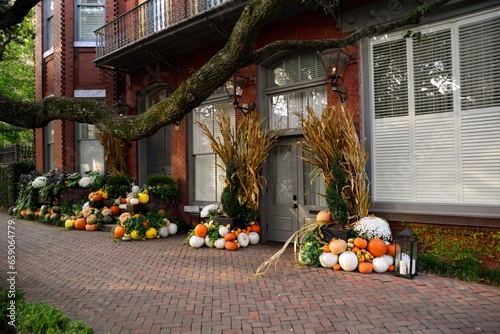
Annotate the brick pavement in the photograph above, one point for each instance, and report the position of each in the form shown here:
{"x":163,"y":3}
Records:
{"x":163,"y":286}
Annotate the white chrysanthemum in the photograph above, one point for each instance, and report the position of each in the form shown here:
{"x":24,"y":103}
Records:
{"x":205,"y":212}
{"x":86,"y":182}
{"x":373,"y":227}
{"x":39,"y":182}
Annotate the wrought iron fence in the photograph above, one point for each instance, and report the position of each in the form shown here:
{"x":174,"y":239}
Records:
{"x":17,"y":153}
{"x":146,"y":20}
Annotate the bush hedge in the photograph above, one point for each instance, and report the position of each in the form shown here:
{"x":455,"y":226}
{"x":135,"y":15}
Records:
{"x":9,"y":179}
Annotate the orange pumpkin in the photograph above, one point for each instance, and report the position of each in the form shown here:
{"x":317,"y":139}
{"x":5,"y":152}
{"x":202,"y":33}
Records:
{"x":115,"y":210}
{"x":119,"y":231}
{"x":201,"y":230}
{"x":391,"y":268}
{"x":231,"y":245}
{"x":96,"y":197}
{"x":326,"y":248}
{"x":337,"y":267}
{"x":230,"y":236}
{"x":365,"y":267}
{"x":80,"y":224}
{"x":377,"y":247}
{"x":391,"y":249}
{"x":123,"y":200}
{"x":360,"y":243}
{"x":255,"y":228}
{"x":91,"y":227}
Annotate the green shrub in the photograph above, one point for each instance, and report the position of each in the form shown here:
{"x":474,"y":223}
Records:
{"x":9,"y":179}
{"x":118,"y":185}
{"x":164,"y":187}
{"x":38,"y":318}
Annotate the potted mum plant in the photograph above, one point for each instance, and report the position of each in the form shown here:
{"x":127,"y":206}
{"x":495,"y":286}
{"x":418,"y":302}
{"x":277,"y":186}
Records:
{"x":242,"y":153}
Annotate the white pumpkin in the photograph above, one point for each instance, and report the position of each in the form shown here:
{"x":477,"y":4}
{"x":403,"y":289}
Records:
{"x":220,"y":243}
{"x":208,"y":242}
{"x":163,"y":232}
{"x":135,"y":189}
{"x":223,"y":230}
{"x":196,"y":242}
{"x":243,"y":240}
{"x":348,"y":261}
{"x":380,"y":265}
{"x":172,"y":228}
{"x":134,"y":201}
{"x":389,"y":259}
{"x":328,"y":260}
{"x":254,"y":238}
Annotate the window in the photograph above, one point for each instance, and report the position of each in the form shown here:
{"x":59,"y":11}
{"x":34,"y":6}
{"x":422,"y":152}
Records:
{"x":292,"y":84}
{"x":49,"y":146}
{"x":89,"y":152}
{"x":209,"y":178}
{"x":436,"y":115}
{"x":90,"y":15}
{"x":48,"y":17}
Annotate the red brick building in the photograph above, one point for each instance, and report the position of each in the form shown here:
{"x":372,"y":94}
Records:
{"x":430,"y":111}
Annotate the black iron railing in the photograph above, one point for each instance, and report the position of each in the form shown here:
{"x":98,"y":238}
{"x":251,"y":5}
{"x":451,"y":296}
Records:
{"x":146,"y":20}
{"x":17,"y":153}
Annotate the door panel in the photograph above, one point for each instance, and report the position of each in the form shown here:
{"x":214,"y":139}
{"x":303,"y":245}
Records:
{"x":282,"y":216}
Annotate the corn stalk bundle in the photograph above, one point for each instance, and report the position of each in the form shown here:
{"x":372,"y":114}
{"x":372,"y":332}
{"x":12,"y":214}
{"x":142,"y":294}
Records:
{"x":248,"y":147}
{"x":331,"y":133}
{"x":114,"y":153}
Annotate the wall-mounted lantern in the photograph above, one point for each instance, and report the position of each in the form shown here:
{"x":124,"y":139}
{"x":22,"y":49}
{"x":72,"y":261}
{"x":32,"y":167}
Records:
{"x":335,"y":62}
{"x":121,"y":107}
{"x":234,"y":88}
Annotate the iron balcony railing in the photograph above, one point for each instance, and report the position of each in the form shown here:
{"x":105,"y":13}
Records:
{"x":146,"y":20}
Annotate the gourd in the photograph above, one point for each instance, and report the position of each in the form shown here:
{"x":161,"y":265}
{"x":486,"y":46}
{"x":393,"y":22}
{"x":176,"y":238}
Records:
{"x":220,"y":243}
{"x":377,"y":247}
{"x":254,"y":238}
{"x":69,"y":223}
{"x":143,"y":198}
{"x":91,"y":227}
{"x":365,"y":267}
{"x":134,"y":235}
{"x":119,"y":231}
{"x":389,"y":259}
{"x":91,"y":219}
{"x":80,"y":224}
{"x":163,"y":232}
{"x":360,"y":243}
{"x":243,"y":240}
{"x":196,"y":242}
{"x":123,"y":217}
{"x":348,"y":261}
{"x":328,"y":260}
{"x":172,"y":228}
{"x":136,"y":189}
{"x":223,"y":231}
{"x":106,"y":212}
{"x":201,"y":230}
{"x":231,"y":245}
{"x":151,"y":233}
{"x":380,"y":265}
{"x":324,"y":216}
{"x":134,"y":201}
{"x":209,"y":243}
{"x":338,"y":246}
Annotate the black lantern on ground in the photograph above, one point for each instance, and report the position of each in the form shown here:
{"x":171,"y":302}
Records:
{"x":335,"y":62}
{"x":234,"y":88}
{"x":405,"y":258}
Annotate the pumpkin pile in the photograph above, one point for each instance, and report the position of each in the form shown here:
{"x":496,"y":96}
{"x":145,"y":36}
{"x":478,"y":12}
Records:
{"x":222,"y":236}
{"x":90,"y":219}
{"x":358,"y":253}
{"x":143,"y":227}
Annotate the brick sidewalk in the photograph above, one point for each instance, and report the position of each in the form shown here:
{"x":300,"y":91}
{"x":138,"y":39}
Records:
{"x":163,"y":286}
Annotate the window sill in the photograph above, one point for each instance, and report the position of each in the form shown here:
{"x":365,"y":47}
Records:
{"x":82,"y":44}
